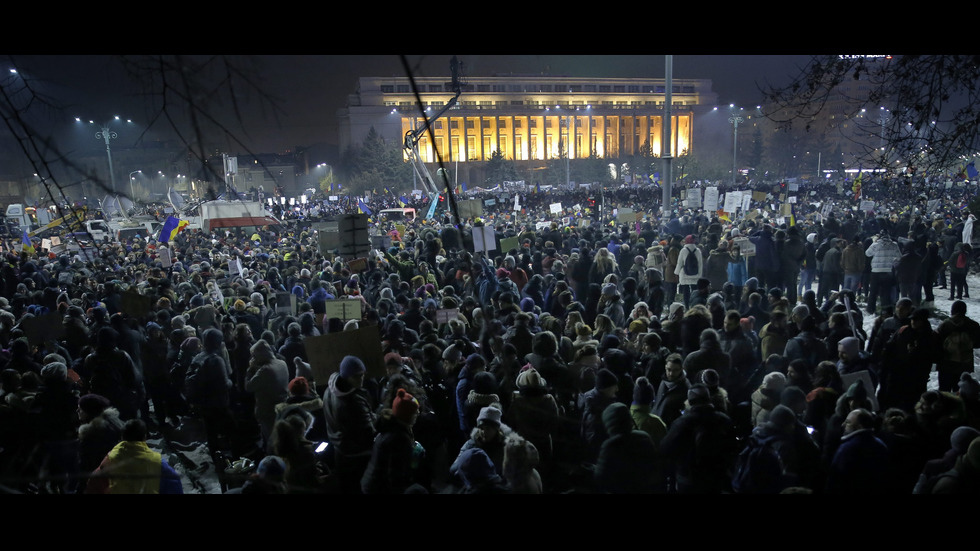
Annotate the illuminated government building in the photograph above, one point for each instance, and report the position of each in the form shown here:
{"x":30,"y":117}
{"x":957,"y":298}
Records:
{"x":528,"y":118}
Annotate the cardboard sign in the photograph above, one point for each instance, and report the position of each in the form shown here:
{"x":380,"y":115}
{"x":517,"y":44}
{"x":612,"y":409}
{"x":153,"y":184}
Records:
{"x":285,"y":303}
{"x":135,"y":305}
{"x":358,"y":265}
{"x":508,"y":243}
{"x":747,"y":247}
{"x":759,"y":196}
{"x":343,"y":308}
{"x":625,"y":216}
{"x":326,"y":351}
{"x":555,"y":208}
{"x":38,"y":329}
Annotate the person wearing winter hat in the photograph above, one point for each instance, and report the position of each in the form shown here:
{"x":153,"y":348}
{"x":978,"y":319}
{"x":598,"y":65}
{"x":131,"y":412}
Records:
{"x":628,"y":462}
{"x":641,"y":410}
{"x":100,"y":430}
{"x":595,"y":401}
{"x":350,"y":421}
{"x":479,"y":474}
{"x":389,"y":470}
{"x":267,"y":379}
{"x":959,"y":441}
{"x":269,"y":478}
{"x":700,"y":469}
{"x":483,"y":393}
{"x":475,"y":363}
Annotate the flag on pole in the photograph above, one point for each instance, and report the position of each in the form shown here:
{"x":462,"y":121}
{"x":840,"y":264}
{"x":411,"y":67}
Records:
{"x":792,"y":214}
{"x":971,"y":170}
{"x":171,"y":227}
{"x":361,"y":206}
{"x":857,"y":187}
{"x":27,"y":246}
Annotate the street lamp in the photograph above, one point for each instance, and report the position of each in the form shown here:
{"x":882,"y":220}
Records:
{"x":108,"y":134}
{"x":132,"y":190}
{"x":735,"y":119}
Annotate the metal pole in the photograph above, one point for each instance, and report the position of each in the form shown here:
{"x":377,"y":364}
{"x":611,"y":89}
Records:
{"x":668,"y":177}
{"x":106,"y":135}
{"x":735,"y":119}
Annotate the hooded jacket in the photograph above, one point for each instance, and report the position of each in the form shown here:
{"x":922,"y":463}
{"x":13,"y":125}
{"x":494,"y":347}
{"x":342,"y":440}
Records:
{"x":349,"y":416}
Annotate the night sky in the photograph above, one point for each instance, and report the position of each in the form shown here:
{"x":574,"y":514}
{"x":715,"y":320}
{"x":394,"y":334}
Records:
{"x":308,"y":90}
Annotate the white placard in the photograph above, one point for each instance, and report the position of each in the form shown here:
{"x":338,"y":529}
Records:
{"x":733,"y":199}
{"x":555,"y":208}
{"x":711,"y":199}
{"x":694,"y":198}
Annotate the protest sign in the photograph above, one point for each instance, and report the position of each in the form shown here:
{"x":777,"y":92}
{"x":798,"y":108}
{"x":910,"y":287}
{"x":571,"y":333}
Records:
{"x":711,"y":199}
{"x":134,"y":304}
{"x":343,"y":309}
{"x":747,"y":247}
{"x":484,"y":239}
{"x":326,"y":351}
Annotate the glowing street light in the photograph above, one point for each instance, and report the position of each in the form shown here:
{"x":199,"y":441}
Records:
{"x":735,"y":119}
{"x":108,"y":134}
{"x":132,"y":190}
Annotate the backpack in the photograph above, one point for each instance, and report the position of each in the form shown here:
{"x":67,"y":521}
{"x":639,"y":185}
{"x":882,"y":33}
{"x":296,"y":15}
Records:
{"x":691,"y":264}
{"x":958,"y":347}
{"x":758,"y":468}
{"x":962,"y":260}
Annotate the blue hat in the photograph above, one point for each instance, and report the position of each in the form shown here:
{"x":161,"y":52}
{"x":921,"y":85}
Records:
{"x":351,"y":366}
{"x":475,"y":466}
{"x":272,"y":467}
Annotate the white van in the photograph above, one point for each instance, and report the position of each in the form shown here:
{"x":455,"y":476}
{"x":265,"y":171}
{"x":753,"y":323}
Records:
{"x":400,"y":214}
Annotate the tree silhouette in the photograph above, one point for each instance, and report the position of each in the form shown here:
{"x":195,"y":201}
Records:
{"x":932,"y":103}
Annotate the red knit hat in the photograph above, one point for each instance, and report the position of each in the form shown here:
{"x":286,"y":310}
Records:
{"x":404,"y":406}
{"x":299,"y":386}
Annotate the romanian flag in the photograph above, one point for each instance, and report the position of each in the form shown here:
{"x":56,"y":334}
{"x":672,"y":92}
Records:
{"x":723,"y":216}
{"x":171,"y":228}
{"x":857,"y":187}
{"x":971,"y":171}
{"x":792,"y":214}
{"x":27,"y":246}
{"x":361,"y":206}
{"x":402,"y":201}
{"x":463,"y":185}
{"x":537,"y":188}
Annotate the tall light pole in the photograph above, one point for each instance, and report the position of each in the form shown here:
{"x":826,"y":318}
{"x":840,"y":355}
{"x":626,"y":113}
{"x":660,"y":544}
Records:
{"x":106,"y":134}
{"x":666,"y":151}
{"x":735,"y":119}
{"x":132,"y":190}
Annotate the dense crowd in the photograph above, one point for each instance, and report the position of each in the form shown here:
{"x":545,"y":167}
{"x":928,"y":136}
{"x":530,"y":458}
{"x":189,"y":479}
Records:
{"x":698,"y":352}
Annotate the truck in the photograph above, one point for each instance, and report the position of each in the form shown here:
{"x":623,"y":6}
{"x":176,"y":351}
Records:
{"x":70,"y":222}
{"x":214,"y":215}
{"x":20,"y":217}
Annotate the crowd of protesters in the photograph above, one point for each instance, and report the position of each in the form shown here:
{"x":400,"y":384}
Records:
{"x":594,"y":356}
